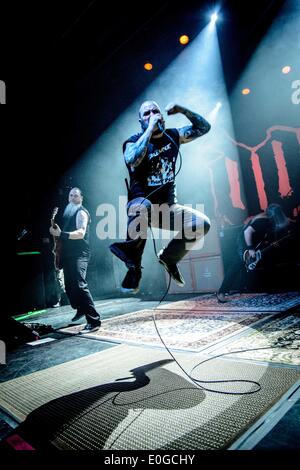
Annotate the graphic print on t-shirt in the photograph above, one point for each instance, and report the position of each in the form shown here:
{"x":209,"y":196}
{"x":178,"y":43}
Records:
{"x":162,"y":169}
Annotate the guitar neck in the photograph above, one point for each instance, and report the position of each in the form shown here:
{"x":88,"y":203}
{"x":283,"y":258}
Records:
{"x":267,"y":248}
{"x":52,"y":220}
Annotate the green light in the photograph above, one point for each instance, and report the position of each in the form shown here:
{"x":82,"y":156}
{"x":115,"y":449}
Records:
{"x":23,"y":253}
{"x":29,"y":314}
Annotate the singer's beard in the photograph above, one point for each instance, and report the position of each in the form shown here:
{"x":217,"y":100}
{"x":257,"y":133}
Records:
{"x":71,"y":209}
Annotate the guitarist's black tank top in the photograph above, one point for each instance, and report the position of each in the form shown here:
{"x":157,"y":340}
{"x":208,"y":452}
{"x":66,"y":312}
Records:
{"x":74,"y":248}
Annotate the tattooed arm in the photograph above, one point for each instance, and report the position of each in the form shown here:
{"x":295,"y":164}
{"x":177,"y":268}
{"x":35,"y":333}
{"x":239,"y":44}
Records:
{"x":78,"y":234}
{"x":188,"y":133}
{"x":135,"y":152}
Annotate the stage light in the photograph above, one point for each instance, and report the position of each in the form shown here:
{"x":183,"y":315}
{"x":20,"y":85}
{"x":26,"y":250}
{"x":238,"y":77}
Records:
{"x":286,"y":69}
{"x":184,"y":39}
{"x":148,"y":66}
{"x":245,"y":91}
{"x":213,"y":115}
{"x":213,"y":18}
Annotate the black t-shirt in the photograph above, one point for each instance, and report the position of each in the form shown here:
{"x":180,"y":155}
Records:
{"x":263,"y":232}
{"x":156,"y":172}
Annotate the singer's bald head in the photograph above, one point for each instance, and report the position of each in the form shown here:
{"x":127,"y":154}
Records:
{"x":147,"y":110}
{"x":148,"y":105}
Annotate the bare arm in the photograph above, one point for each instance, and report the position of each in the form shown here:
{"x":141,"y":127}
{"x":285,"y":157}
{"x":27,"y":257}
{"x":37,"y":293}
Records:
{"x":188,"y":133}
{"x":79,"y":233}
{"x":136,"y":151}
{"x":248,"y":235}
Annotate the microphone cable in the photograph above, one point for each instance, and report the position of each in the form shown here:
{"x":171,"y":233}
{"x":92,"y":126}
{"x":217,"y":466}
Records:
{"x":197,"y":382}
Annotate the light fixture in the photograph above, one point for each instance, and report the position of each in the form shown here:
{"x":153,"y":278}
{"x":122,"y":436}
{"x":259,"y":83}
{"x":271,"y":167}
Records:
{"x":286,"y":69}
{"x":246,"y":91}
{"x":184,"y":39}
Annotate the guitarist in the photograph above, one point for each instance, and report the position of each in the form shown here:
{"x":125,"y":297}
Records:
{"x":75,"y":256}
{"x":258,"y":233}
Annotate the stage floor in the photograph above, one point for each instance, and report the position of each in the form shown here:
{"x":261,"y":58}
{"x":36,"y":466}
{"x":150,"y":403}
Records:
{"x":275,"y":328}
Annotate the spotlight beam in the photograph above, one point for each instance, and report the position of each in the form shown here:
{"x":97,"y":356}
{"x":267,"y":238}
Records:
{"x":214,"y":18}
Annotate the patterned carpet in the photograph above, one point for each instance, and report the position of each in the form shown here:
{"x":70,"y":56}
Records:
{"x":281,"y":335}
{"x":192,"y":324}
{"x":279,"y":302}
{"x":178,"y":329}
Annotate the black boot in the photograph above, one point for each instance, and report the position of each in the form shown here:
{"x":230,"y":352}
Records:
{"x":171,"y":268}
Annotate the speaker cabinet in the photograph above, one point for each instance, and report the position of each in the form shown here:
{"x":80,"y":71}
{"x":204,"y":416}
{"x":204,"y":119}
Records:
{"x":29,"y":279}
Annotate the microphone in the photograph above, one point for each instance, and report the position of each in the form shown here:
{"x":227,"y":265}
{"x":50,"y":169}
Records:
{"x":160,"y":126}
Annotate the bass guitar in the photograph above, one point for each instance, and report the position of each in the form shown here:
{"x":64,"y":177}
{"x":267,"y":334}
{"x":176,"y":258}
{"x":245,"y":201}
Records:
{"x":252,"y":261}
{"x":57,"y":245}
